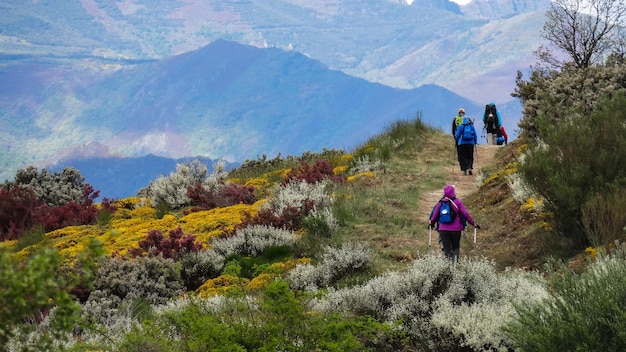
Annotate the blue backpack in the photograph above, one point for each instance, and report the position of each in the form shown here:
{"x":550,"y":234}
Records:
{"x":468,"y":133}
{"x":447,"y":212}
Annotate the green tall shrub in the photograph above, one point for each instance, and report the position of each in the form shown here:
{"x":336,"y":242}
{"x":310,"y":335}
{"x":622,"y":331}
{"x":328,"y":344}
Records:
{"x":577,"y":158}
{"x":586,"y":312}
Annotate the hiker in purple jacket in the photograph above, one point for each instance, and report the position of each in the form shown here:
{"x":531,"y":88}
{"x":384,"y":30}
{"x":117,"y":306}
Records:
{"x":450,"y":234}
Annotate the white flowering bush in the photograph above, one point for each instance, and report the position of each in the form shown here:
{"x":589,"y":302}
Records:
{"x":252,"y":240}
{"x":296,"y":193}
{"x":364,"y":163}
{"x":334,"y":264}
{"x":442,"y":305}
{"x":119,"y":281}
{"x":172,"y":190}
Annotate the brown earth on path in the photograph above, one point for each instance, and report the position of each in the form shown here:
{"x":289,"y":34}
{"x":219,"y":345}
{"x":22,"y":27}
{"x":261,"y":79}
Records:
{"x":464,"y":184}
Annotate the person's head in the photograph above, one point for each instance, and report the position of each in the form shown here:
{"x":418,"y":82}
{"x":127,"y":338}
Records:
{"x":449,"y":192}
{"x":461,"y":111}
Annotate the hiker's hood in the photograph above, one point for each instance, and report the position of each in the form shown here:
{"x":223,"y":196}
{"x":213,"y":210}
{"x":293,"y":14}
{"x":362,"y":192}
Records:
{"x":467,"y":121}
{"x":448,"y":191}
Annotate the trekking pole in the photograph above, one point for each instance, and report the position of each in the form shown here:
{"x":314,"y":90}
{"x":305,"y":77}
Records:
{"x":430,"y":236}
{"x":474,"y":237}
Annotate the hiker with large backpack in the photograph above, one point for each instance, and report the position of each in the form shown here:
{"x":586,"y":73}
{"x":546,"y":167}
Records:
{"x":492,"y":122}
{"x":456,"y":122}
{"x":466,"y":140}
{"x":450,"y":216}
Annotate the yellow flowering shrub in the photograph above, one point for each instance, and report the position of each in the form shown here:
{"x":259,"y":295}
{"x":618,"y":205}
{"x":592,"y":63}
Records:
{"x":502,"y":174}
{"x":591,"y":252}
{"x":532,"y":205}
{"x":208,"y":223}
{"x":219,"y":285}
{"x":340,"y":170}
{"x":360,"y":176}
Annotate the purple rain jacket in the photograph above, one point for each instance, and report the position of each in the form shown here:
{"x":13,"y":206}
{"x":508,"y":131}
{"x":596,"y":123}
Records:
{"x":448,"y":191}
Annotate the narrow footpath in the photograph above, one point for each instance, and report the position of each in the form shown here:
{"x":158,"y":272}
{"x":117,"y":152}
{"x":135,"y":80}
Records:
{"x":464,"y":184}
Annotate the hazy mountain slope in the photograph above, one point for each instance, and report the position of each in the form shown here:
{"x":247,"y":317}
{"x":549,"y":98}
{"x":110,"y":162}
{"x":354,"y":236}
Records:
{"x":224,"y":101}
{"x":391,"y":42}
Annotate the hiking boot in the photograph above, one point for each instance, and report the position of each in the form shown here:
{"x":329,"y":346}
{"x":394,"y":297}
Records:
{"x":470,"y":172}
{"x":465,"y":172}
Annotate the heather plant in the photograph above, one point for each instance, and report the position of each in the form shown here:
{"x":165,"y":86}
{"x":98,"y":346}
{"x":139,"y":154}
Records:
{"x":18,"y":207}
{"x":333,"y":265}
{"x":584,"y":312}
{"x":442,"y":306}
{"x":170,"y":248}
{"x":219,"y":195}
{"x":567,"y":174}
{"x":320,"y":170}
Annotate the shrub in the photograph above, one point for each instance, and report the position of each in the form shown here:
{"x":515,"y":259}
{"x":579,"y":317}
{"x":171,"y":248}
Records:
{"x":120,"y":282}
{"x":199,"y":266}
{"x":18,"y":207}
{"x":220,"y":195}
{"x":170,"y":248}
{"x":56,"y":188}
{"x":568,"y":174}
{"x":274,"y":321}
{"x":442,"y":306}
{"x":252,"y":240}
{"x":334,"y":264}
{"x":585,"y":312}
{"x":172,"y":190}
{"x":320,"y":170}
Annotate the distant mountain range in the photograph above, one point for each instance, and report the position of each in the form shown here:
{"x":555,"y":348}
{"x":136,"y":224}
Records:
{"x":233,"y":80}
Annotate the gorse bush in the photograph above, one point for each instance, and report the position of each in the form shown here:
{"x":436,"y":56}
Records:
{"x":584,"y":312}
{"x":583,"y":157}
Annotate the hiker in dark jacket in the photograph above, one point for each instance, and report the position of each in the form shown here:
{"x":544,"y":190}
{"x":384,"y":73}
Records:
{"x":466,"y":139}
{"x":492,"y":121}
{"x":450,"y":234}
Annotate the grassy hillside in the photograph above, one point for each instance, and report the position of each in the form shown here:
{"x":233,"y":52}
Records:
{"x":361,"y":258}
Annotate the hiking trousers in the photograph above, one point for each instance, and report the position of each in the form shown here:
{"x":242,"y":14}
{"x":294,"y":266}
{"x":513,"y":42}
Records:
{"x":466,"y":156}
{"x":451,"y":241}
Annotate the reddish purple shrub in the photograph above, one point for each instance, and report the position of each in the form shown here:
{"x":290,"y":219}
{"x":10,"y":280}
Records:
{"x":18,"y":207}
{"x":289,"y":219}
{"x":320,"y":170}
{"x":168,"y":247}
{"x":230,"y":194}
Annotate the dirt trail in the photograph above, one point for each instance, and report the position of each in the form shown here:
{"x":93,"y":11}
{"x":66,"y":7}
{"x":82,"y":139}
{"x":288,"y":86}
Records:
{"x":464,"y":184}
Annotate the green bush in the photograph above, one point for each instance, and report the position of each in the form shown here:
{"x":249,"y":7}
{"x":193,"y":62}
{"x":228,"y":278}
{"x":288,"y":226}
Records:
{"x":275,"y":321}
{"x":587,"y":312}
{"x":579,"y":158}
